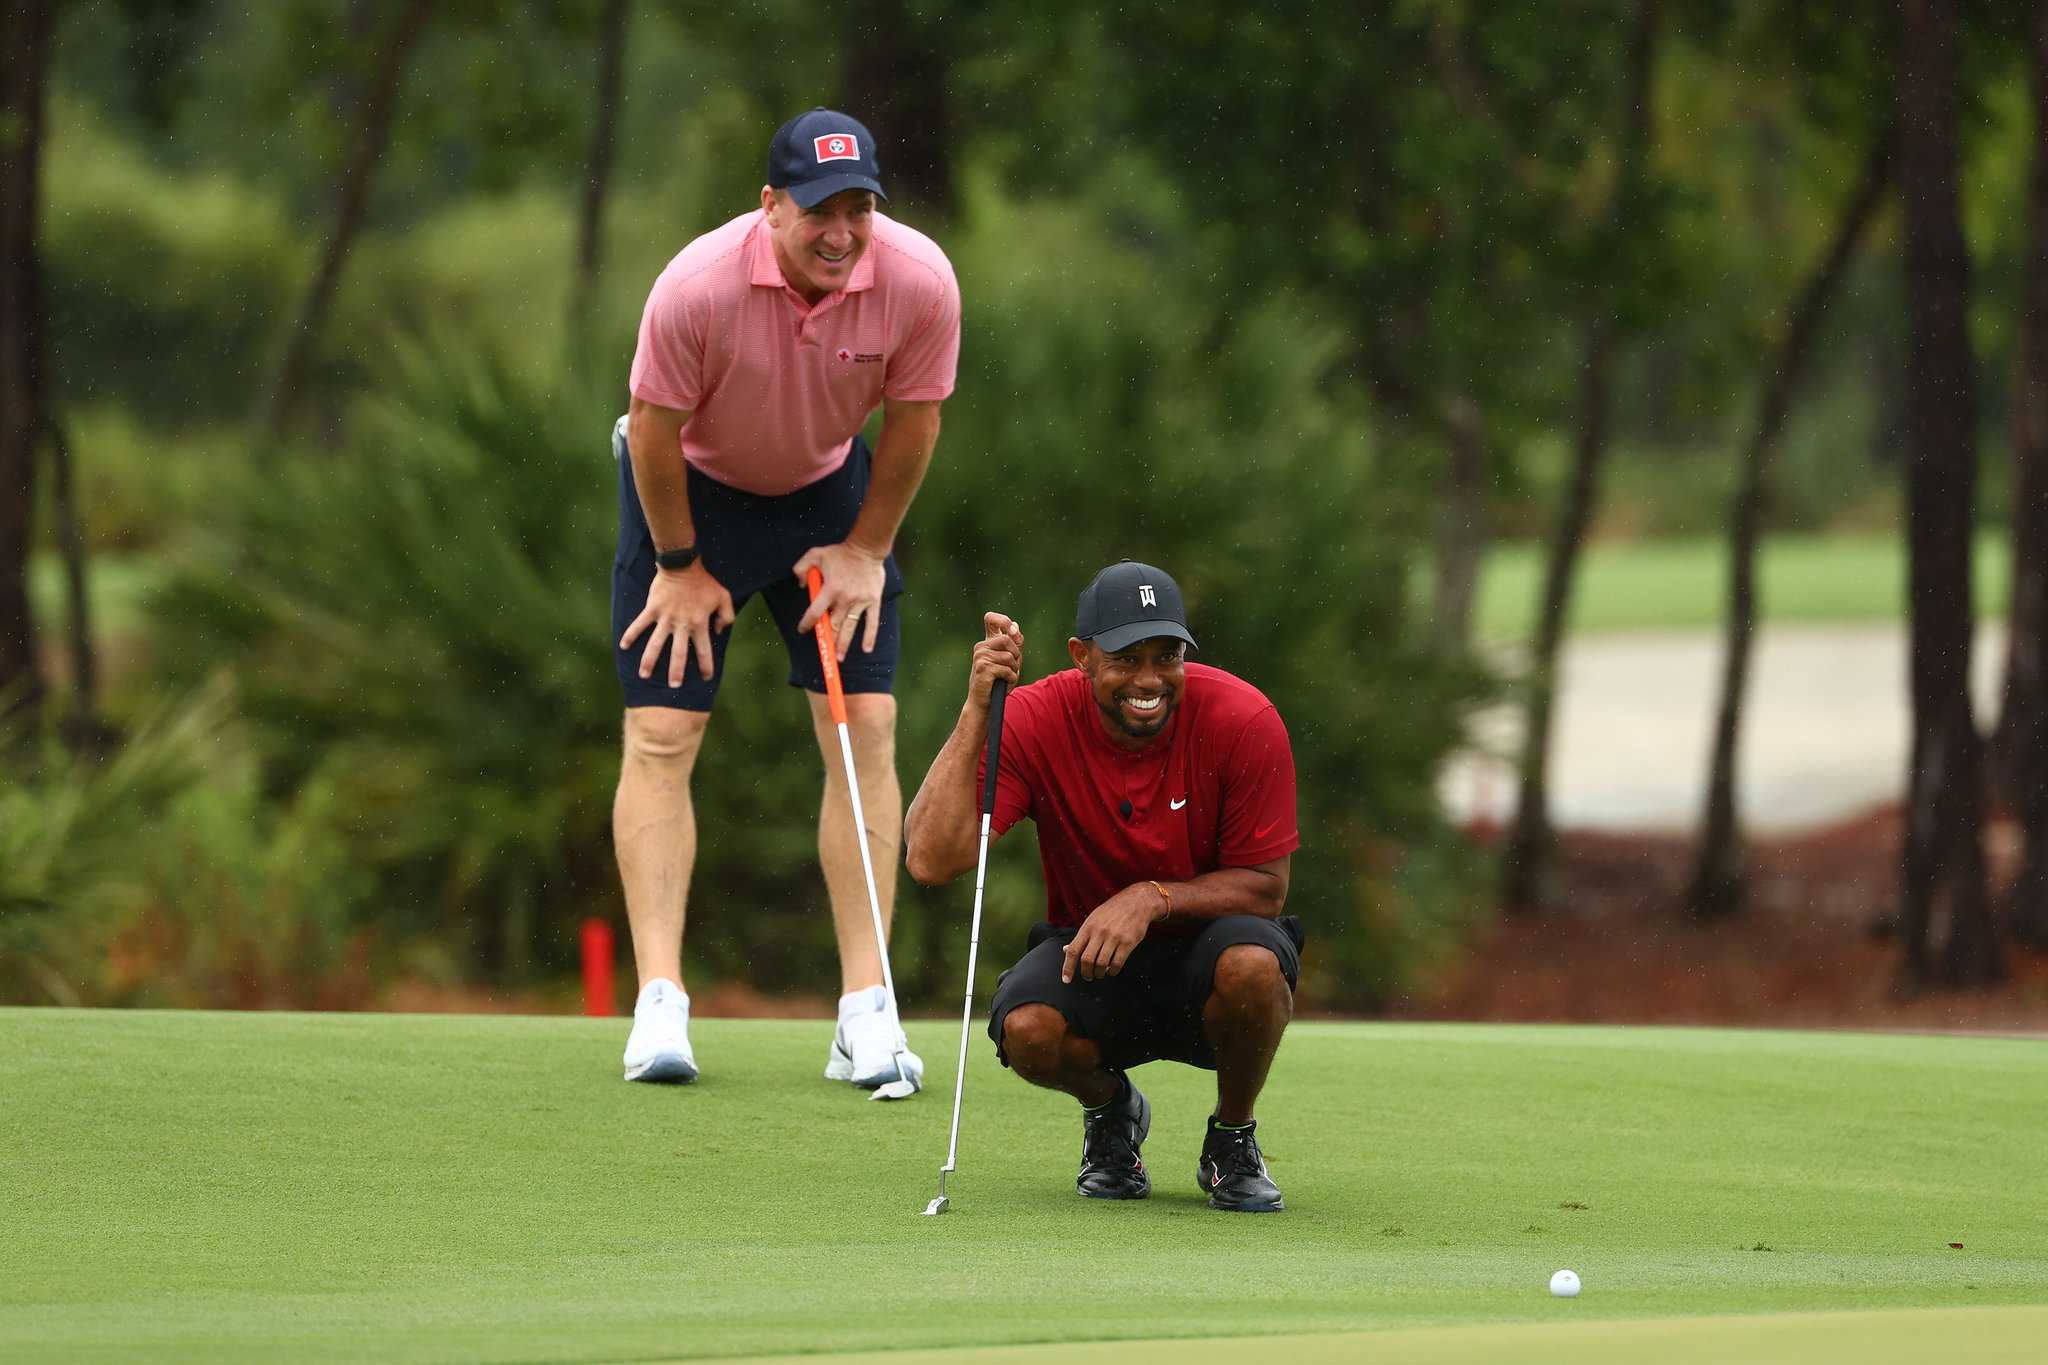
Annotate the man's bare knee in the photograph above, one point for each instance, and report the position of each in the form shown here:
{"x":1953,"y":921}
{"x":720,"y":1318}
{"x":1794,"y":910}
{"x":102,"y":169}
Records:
{"x":664,"y":737}
{"x":1034,"y":1039}
{"x":1249,"y":977}
{"x":871,"y":720}
{"x":871,"y":710}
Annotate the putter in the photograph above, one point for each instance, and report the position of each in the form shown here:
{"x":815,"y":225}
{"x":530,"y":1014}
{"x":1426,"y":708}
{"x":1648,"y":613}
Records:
{"x":996,"y":696}
{"x":903,"y":1087}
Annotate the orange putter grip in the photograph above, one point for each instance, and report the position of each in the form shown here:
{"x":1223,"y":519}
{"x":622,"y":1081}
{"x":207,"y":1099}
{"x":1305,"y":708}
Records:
{"x":828,"y":652}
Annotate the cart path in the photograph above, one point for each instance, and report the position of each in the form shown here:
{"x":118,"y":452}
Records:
{"x":1826,"y":734}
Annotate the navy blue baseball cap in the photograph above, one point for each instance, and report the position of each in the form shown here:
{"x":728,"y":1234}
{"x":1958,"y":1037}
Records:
{"x":816,"y":155}
{"x":1128,"y":602}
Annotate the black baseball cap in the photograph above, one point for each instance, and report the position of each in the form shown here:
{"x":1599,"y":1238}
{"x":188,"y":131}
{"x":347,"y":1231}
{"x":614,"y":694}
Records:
{"x":816,"y":155}
{"x":1128,"y":602}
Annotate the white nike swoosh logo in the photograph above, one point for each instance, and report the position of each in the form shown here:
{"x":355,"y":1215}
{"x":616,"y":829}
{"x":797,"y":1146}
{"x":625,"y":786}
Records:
{"x":1176,"y":805}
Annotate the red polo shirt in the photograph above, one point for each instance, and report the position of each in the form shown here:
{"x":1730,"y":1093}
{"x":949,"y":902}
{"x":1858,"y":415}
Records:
{"x":1215,"y":789}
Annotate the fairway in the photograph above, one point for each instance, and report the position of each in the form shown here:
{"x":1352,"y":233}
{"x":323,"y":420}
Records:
{"x":179,"y":1186}
{"x":1675,"y":584}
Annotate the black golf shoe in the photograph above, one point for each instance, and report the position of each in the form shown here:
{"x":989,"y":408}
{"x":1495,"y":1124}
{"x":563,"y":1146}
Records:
{"x":1233,"y":1172}
{"x":1111,"y":1136}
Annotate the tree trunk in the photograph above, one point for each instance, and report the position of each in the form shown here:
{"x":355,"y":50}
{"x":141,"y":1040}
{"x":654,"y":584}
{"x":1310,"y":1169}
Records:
{"x":2023,"y":722}
{"x":82,"y":727}
{"x":1525,"y":858}
{"x":895,"y":83}
{"x":31,"y":32}
{"x":1461,"y":526}
{"x":1943,"y":866}
{"x":351,"y":202}
{"x":597,"y":165}
{"x":1717,"y":872}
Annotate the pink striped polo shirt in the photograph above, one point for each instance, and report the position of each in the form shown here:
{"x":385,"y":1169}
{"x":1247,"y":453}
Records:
{"x":777,"y":388}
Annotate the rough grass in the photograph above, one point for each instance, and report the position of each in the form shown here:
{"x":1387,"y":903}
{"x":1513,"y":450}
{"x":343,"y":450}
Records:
{"x":323,"y":1187}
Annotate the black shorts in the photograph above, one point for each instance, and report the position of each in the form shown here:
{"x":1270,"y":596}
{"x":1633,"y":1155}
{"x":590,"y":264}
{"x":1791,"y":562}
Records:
{"x":748,"y":543}
{"x":1150,"y":1011}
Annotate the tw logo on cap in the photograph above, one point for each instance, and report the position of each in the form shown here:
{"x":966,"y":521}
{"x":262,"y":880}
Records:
{"x":836,"y":147}
{"x":1146,"y":597}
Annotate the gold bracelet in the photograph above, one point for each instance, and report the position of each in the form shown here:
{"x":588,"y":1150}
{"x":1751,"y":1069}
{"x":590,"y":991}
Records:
{"x":1165,"y":895}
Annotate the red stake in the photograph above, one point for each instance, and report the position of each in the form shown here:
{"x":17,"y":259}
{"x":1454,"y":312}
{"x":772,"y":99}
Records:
{"x":597,"y":968}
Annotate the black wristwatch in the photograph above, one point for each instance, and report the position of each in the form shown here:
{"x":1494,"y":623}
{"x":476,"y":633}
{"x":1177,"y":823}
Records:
{"x":676,"y":559}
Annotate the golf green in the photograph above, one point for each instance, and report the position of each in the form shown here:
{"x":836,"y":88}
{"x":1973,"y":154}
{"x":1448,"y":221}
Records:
{"x":229,"y":1187}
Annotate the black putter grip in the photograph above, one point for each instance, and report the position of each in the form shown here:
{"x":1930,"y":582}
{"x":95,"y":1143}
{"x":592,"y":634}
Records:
{"x":996,"y":696}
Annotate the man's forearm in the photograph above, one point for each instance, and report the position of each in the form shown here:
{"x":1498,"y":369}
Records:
{"x":659,"y":474}
{"x":903,"y":452}
{"x":941,"y":830}
{"x":1260,"y":891}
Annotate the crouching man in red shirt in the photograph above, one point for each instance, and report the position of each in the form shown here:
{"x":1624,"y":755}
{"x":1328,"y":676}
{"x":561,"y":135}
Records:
{"x":1163,"y":792}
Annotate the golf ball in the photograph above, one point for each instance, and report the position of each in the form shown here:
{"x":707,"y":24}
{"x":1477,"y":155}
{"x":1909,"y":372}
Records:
{"x":1565,"y":1284}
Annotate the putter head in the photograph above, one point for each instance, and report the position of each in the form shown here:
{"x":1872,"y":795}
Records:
{"x":894,"y":1090}
{"x":936,"y":1206}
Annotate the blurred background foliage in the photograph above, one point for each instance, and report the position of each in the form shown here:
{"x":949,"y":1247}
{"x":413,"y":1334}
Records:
{"x":1224,"y":267}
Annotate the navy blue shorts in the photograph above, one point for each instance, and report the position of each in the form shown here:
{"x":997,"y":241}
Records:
{"x":748,"y":543}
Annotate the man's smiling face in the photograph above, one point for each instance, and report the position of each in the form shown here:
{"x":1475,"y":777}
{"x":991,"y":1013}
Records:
{"x":818,"y":247}
{"x":1137,"y":687}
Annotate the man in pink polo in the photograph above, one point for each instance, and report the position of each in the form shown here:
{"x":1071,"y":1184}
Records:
{"x":765,"y":346}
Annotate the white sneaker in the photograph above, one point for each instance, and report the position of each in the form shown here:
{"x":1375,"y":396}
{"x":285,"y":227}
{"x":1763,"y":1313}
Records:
{"x":865,"y":1044}
{"x":658,"y":1049}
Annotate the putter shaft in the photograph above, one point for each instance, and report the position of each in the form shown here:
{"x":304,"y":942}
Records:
{"x":997,"y":696}
{"x":835,"y":696}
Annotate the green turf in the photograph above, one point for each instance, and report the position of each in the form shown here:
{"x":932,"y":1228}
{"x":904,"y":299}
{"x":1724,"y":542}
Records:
{"x":304,"y":1187}
{"x":1634,"y":585}
{"x":1983,"y":1336}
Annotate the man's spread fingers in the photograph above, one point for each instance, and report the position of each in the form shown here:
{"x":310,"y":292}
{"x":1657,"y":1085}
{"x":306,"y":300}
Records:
{"x":633,"y":631}
{"x":649,"y":655}
{"x":820,"y":604}
{"x":706,"y":664}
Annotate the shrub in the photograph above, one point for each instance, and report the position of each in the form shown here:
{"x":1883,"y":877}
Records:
{"x":162,"y":875}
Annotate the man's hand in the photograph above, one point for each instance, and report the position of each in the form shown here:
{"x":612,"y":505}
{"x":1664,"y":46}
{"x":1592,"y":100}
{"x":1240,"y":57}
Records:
{"x":1001,"y":655}
{"x":852,"y":589}
{"x":1111,"y":931}
{"x":686,"y":606}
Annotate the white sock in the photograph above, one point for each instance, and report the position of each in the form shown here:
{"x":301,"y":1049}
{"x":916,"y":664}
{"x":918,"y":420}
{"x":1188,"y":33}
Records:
{"x":873,"y":1000}
{"x":654,"y":990}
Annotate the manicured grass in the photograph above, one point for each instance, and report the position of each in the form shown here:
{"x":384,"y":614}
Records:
{"x":1985,"y":1336}
{"x":327,"y":1187}
{"x":1634,"y":585}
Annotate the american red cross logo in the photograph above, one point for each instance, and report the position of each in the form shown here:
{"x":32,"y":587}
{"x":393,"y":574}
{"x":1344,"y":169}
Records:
{"x":837,"y":147}
{"x":845,"y":354}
